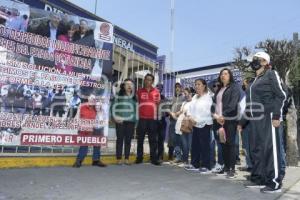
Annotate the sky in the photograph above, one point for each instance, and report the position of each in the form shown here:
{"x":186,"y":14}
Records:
{"x":206,"y":32}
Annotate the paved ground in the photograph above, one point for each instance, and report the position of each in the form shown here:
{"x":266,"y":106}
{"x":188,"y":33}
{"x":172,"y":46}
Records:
{"x":143,"y":181}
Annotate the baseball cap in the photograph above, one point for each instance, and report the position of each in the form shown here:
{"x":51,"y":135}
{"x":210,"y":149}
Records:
{"x":263,"y":55}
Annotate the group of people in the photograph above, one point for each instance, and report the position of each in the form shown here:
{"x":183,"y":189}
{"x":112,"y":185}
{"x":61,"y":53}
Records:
{"x":63,"y":29}
{"x":12,"y":19}
{"x":197,"y":116}
{"x":24,"y":99}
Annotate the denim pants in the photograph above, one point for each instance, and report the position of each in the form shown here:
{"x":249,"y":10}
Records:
{"x":186,"y":141}
{"x":281,"y":131}
{"x":178,"y":147}
{"x":83,"y":152}
{"x":246,"y":145}
{"x":96,"y":149}
{"x":214,"y":142}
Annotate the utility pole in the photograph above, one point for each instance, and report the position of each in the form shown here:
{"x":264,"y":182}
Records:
{"x":172,"y":44}
{"x":96,"y":3}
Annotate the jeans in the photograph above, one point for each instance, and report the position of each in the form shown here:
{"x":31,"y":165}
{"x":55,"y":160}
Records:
{"x":96,"y":149}
{"x":281,"y":131}
{"x":83,"y":152}
{"x":246,"y":145}
{"x":171,"y":137}
{"x":186,"y":141}
{"x":178,"y":147}
{"x":215,"y":142}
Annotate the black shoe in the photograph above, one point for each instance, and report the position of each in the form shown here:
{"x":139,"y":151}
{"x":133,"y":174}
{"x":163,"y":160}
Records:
{"x":231,"y":174}
{"x":269,"y":190}
{"x":248,"y":177}
{"x":223,"y":172}
{"x":254,"y":185}
{"x":157,"y":163}
{"x":98,"y":163}
{"x":138,"y":161}
{"x":77,"y":164}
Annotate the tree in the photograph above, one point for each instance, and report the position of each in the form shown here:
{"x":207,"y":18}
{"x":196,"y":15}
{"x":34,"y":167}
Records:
{"x":241,"y":63}
{"x":284,"y":59}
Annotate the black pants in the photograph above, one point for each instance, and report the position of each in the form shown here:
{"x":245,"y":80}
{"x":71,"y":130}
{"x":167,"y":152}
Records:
{"x":229,"y":148}
{"x":161,"y":138}
{"x":58,"y":110}
{"x":125,"y":133}
{"x":265,"y":153}
{"x":148,"y":126}
{"x":201,"y":147}
{"x":171,"y":141}
{"x":72,"y":112}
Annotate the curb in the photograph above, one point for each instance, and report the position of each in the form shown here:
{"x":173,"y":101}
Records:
{"x":51,"y":161}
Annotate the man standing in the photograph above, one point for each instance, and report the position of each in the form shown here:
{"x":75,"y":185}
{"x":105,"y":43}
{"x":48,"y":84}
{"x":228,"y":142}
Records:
{"x":90,"y":111}
{"x":148,"y":99}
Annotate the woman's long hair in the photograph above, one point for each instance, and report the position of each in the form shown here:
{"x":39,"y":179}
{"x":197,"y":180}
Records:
{"x":122,"y":91}
{"x":231,"y":79}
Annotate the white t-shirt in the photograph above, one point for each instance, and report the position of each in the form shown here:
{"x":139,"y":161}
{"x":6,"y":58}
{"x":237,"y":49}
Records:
{"x":37,"y":100}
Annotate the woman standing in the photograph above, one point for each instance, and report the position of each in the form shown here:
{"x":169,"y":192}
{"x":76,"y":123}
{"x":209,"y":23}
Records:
{"x":265,"y":101}
{"x":200,"y":115}
{"x":124,"y":114}
{"x":186,"y":138}
{"x":225,"y":113}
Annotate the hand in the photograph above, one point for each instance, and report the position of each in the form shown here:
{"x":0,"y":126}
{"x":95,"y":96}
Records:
{"x":276,"y":123}
{"x":192,"y":120}
{"x":173,"y":115}
{"x":221,"y":120}
{"x":239,"y":128}
{"x":118,"y":121}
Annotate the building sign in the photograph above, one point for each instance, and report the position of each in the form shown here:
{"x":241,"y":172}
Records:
{"x":123,"y":43}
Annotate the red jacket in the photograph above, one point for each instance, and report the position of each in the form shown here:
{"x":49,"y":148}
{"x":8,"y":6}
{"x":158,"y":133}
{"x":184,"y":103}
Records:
{"x":148,"y":103}
{"x":87,"y":112}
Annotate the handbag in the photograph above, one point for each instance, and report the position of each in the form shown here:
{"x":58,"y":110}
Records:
{"x":186,"y":125}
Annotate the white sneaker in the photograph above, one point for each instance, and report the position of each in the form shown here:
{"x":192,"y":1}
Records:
{"x":191,"y":168}
{"x":181,"y":165}
{"x":218,"y":168}
{"x":204,"y":170}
